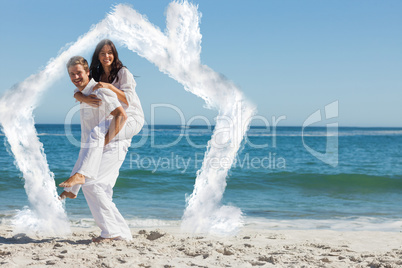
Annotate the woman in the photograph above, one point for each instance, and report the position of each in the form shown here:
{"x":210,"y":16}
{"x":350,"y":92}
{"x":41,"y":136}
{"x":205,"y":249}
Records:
{"x":107,"y":69}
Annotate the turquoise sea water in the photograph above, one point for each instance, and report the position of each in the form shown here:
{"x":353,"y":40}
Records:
{"x":276,"y":181}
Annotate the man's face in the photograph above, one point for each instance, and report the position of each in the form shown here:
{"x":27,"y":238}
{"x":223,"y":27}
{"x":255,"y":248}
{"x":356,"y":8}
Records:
{"x":78,"y":76}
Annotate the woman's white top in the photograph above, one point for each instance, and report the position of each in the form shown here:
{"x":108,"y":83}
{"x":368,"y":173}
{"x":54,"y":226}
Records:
{"x":127,"y":84}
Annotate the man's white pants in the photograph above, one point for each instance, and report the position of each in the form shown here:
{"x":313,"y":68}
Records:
{"x":90,"y":156}
{"x":98,"y":193}
{"x":100,"y":165}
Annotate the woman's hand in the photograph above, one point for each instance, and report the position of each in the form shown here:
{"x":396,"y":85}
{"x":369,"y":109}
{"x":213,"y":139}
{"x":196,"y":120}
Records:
{"x":101,"y":85}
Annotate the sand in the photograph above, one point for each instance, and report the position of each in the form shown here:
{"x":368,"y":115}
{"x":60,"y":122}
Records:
{"x":168,"y":247}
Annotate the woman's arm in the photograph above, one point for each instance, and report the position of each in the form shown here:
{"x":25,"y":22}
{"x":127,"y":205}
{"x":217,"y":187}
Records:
{"x":91,"y":100}
{"x":120,"y":94}
{"x":119,"y":118}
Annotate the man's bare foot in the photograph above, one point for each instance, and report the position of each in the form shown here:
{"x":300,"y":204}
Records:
{"x":65,"y":195}
{"x":100,"y":239}
{"x":77,"y":178}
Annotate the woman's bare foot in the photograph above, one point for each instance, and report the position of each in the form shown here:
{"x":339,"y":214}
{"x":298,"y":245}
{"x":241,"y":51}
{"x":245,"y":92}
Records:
{"x":65,"y":195}
{"x":77,"y":178}
{"x":100,"y":239}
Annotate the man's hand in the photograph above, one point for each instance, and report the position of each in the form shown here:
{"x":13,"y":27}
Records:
{"x":93,"y":101}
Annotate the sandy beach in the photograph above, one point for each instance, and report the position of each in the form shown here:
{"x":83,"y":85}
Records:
{"x":168,"y":247}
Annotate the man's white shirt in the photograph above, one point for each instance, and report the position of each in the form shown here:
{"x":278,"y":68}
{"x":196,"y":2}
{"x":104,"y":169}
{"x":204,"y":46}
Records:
{"x":91,"y":116}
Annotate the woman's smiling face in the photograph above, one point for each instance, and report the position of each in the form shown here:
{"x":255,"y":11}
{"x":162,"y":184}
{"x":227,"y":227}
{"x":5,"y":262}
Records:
{"x":106,"y":56}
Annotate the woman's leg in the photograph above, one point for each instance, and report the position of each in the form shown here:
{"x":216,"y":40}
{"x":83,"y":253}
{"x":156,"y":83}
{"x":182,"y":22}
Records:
{"x":131,"y":128}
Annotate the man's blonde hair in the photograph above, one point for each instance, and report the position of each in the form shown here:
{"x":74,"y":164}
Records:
{"x":78,"y":60}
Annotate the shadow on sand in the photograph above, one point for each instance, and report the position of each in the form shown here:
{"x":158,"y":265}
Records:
{"x":24,"y":239}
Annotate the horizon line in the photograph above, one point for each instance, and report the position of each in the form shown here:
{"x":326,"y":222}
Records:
{"x":343,"y":126}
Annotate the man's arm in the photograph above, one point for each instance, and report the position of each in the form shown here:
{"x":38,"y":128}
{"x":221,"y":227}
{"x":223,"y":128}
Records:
{"x":119,"y":118}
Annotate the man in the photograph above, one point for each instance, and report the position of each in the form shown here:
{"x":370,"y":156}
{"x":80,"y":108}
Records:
{"x":99,"y":161}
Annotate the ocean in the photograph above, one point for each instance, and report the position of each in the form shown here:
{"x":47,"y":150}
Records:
{"x":277,"y":181}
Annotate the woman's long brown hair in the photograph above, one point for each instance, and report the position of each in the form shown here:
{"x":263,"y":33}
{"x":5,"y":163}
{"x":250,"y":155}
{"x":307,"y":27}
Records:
{"x":96,"y":69}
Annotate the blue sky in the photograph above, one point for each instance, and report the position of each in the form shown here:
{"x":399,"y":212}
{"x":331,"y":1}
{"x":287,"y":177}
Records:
{"x":290,"y":58}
